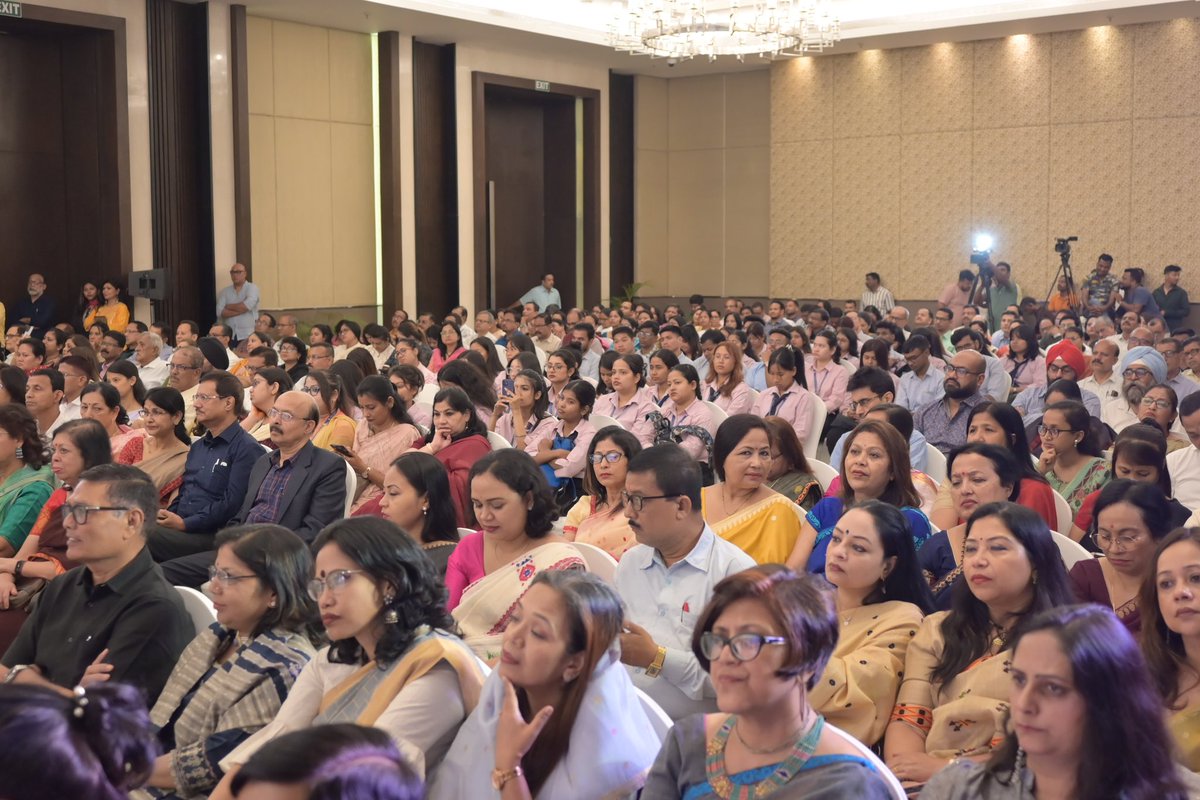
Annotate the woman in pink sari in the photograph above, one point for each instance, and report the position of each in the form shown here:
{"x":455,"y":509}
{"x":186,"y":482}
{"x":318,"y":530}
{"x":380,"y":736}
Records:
{"x":385,"y":432}
{"x":102,"y":402}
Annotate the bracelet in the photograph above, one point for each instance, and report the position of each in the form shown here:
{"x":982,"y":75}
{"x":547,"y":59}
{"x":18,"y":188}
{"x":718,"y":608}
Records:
{"x":20,"y":565}
{"x":14,"y":672}
{"x":500,"y":777}
{"x":656,"y":665}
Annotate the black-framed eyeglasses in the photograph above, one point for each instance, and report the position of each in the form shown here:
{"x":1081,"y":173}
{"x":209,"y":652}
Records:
{"x":1047,"y":432}
{"x":79,"y":512}
{"x":612,"y":458}
{"x":1135,"y":373}
{"x":334,"y":581}
{"x":638,"y":501}
{"x":744,"y":646}
{"x":225,"y":577}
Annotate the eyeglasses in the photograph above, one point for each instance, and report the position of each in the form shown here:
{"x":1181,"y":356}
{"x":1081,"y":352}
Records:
{"x":334,"y":582}
{"x":1065,"y":371}
{"x":1135,"y":373}
{"x":204,"y":398}
{"x":157,"y":412}
{"x":855,"y":405}
{"x":282,"y":416}
{"x":1047,"y":432}
{"x":312,"y":390}
{"x":611,"y":458}
{"x":744,"y":646}
{"x":179,"y":367}
{"x":80,"y":512}
{"x":1106,"y":541}
{"x":1161,"y":405}
{"x":225,"y":578}
{"x":638,"y":501}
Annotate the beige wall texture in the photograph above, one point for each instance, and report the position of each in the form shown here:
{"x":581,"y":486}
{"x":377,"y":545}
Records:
{"x":702,"y":186}
{"x":312,"y":184}
{"x":888,"y":160}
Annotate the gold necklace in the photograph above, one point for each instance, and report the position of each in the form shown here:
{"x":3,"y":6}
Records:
{"x":788,"y":742}
{"x":730,"y":512}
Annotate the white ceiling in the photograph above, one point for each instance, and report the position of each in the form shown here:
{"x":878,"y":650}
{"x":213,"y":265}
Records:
{"x":577,"y":27}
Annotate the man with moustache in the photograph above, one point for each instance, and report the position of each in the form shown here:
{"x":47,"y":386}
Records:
{"x":1064,"y":362}
{"x":668,"y":577}
{"x":944,"y":421}
{"x":1142,"y":368}
{"x":1104,"y":382}
{"x":298,"y":486}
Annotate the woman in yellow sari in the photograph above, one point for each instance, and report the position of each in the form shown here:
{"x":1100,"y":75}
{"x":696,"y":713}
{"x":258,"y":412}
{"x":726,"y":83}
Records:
{"x":953,"y":702}
{"x":741,"y":508}
{"x":394,"y":661}
{"x":337,"y":424}
{"x":491,"y":569}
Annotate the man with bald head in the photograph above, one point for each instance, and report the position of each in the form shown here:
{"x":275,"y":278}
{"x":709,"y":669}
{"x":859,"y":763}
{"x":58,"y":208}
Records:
{"x":944,"y":422}
{"x":298,"y":486}
{"x":37,"y":310}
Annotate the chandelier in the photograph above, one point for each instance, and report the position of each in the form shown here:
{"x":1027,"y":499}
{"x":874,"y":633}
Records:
{"x":682,"y":29}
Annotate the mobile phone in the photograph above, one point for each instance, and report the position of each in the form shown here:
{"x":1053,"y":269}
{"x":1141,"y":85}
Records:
{"x":341,"y":448}
{"x":507,"y":387}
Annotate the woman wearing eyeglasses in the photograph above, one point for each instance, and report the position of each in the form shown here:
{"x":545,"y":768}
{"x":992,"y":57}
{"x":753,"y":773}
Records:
{"x":1160,"y":408}
{"x":764,"y":639}
{"x":234,"y":676}
{"x":161,"y":452}
{"x":77,"y":446}
{"x":337,"y":425}
{"x":393,"y":662}
{"x":1130,"y":519}
{"x":598,"y":518}
{"x":1070,"y":460}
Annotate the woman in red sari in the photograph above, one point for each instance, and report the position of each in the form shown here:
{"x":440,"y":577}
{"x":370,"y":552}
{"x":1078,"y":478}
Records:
{"x":458,"y":440}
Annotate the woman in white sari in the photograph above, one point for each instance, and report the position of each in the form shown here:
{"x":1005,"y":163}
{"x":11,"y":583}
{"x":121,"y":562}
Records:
{"x":559,"y":718}
{"x":490,"y":570}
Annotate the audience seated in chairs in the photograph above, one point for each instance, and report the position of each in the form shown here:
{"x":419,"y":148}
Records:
{"x":598,"y":518}
{"x":26,"y":484}
{"x":458,"y":440}
{"x":385,"y":430}
{"x":416,"y":497}
{"x":115,"y":608}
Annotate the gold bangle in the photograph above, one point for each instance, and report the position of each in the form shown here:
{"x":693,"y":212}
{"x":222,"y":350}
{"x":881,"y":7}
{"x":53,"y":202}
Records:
{"x":500,"y":777}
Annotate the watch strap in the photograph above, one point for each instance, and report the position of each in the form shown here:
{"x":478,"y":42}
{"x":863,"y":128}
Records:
{"x":500,"y":777}
{"x":656,"y":665}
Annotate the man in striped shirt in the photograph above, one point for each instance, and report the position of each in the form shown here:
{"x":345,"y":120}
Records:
{"x":876,"y":295}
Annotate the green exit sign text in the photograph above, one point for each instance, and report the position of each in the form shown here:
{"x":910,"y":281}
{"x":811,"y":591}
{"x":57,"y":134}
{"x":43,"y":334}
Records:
{"x":9,"y":9}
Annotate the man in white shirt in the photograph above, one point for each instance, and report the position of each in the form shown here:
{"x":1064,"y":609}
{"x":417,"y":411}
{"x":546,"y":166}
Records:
{"x":876,"y":295}
{"x":1142,"y":368}
{"x":667,"y":579}
{"x":77,"y":373}
{"x":1104,"y":381}
{"x":543,"y":338}
{"x":922,"y":384}
{"x":43,"y":393}
{"x":583,"y":335}
{"x":485,"y":325}
{"x":237,"y":305}
{"x":1184,"y":464}
{"x":152,"y":370}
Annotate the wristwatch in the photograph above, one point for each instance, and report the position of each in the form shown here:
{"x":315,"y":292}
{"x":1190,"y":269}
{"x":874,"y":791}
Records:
{"x":20,"y":565}
{"x":656,"y":665}
{"x":15,"y":671}
{"x":502,"y":776}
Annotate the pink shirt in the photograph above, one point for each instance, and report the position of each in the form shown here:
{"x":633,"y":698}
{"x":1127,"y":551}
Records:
{"x":436,"y":362}
{"x":828,"y":383}
{"x":464,"y":567}
{"x":572,"y":466}
{"x":739,"y":400}
{"x":796,"y":408}
{"x":696,"y":414}
{"x":533,"y":430}
{"x":632,"y":415}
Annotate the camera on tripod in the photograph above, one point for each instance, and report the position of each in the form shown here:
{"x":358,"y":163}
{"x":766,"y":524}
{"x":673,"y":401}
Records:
{"x":1063,"y":246}
{"x":981,"y":253}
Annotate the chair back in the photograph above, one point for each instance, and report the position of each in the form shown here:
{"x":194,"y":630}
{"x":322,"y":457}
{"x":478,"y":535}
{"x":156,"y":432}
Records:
{"x":199,"y":607}
{"x":600,"y":421}
{"x":824,"y":473}
{"x":497,"y":441}
{"x":935,"y":464}
{"x":1072,"y":552}
{"x":351,"y":488}
{"x":1062,"y":511}
{"x":812,"y":439}
{"x":893,"y":783}
{"x":598,"y":561}
{"x":718,"y":413}
{"x":659,"y":720}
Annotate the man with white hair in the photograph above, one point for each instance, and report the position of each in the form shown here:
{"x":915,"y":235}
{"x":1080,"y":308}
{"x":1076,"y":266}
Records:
{"x":152,"y":370}
{"x":899,"y":315}
{"x":1141,"y":368}
{"x":1184,"y":464}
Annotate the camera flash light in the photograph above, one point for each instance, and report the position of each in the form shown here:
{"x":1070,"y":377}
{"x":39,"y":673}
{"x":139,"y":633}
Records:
{"x":983,"y":241}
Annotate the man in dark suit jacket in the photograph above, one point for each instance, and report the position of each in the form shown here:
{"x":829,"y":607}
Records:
{"x":298,"y":486}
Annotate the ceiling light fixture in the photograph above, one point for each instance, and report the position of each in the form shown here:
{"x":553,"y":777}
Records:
{"x":682,"y":29}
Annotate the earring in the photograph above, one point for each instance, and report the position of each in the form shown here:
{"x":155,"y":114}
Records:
{"x":271,"y":604}
{"x":1019,"y":762}
{"x":1033,"y":578}
{"x":425,"y":511}
{"x":19,"y":453}
{"x":390,"y":617}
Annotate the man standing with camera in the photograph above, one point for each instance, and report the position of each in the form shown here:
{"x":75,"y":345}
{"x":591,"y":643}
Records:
{"x":1003,"y":291}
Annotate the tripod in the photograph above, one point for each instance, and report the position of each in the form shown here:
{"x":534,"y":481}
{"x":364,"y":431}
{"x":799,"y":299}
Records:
{"x":983,"y":277}
{"x":1064,"y":269}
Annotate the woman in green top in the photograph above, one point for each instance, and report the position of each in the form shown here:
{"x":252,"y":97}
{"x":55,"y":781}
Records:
{"x":1071,"y":459}
{"x":25,"y":483}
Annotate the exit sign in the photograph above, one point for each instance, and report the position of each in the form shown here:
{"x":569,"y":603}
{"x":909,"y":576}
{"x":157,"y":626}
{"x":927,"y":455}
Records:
{"x":538,"y":86}
{"x":9,"y":9}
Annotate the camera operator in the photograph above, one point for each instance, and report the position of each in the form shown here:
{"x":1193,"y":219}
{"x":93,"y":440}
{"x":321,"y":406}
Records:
{"x":998,"y":289}
{"x":1100,"y":290}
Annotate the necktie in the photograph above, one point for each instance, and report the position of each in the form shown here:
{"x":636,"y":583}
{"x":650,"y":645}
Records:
{"x":776,"y":402}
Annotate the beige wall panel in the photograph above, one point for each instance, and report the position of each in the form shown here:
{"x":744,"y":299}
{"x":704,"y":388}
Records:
{"x":1165,"y":204}
{"x":1012,"y":82}
{"x":350,"y":77}
{"x":353,"y":221}
{"x":748,"y":109}
{"x":263,"y":211}
{"x":866,"y":93}
{"x":697,"y":113}
{"x":650,"y":113}
{"x":260,"y":67}
{"x":303,"y":176}
{"x":1091,"y":75}
{"x":801,"y":99}
{"x":301,"y":61}
{"x":1011,"y":173}
{"x":1089,"y":190}
{"x":747,"y":220}
{"x":802,"y":218}
{"x":650,"y":221}
{"x":695,"y":221}
{"x":935,"y":211}
{"x":866,"y":210}
{"x":935,"y":89}
{"x":1166,"y":68}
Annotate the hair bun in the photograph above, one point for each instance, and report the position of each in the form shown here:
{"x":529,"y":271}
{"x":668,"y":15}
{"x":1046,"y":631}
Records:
{"x":115,"y":723}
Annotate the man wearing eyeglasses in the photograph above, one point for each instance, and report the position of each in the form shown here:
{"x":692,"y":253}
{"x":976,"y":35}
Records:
{"x":871,"y":387}
{"x":215,"y":475}
{"x":1064,"y":362}
{"x":185,"y":367}
{"x":1172,"y":352}
{"x":113,"y":616}
{"x":944,"y":422}
{"x":298,"y":486}
{"x":1142,"y":368}
{"x":668,"y":577}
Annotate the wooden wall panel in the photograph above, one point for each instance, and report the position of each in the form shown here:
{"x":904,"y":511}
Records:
{"x":435,"y":177}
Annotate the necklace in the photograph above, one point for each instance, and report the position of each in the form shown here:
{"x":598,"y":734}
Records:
{"x":1000,"y":638}
{"x":718,"y":777}
{"x":788,"y":740}
{"x":729,"y":512}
